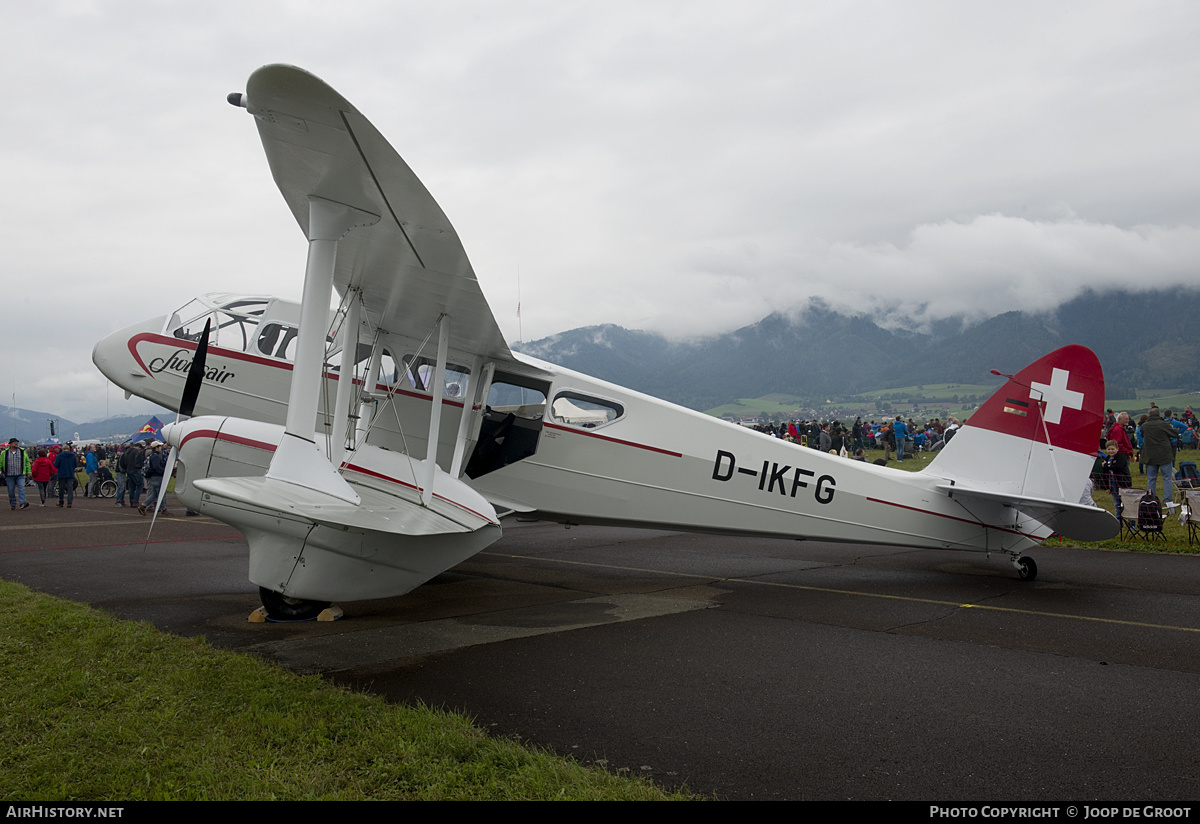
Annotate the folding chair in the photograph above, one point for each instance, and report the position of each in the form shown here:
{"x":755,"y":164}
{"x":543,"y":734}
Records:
{"x":1191,"y":514}
{"x":1186,"y":477}
{"x":1153,"y":528}
{"x":1127,"y":512}
{"x":1132,"y":521}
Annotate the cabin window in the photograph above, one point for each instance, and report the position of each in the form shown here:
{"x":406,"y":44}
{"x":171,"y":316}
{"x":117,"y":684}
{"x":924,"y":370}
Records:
{"x":420,"y":376}
{"x":389,"y":371}
{"x":527,"y":402}
{"x":585,"y":411}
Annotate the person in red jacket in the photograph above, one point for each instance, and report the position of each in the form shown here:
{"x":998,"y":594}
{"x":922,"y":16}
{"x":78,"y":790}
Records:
{"x":1117,"y":433}
{"x":42,"y":471}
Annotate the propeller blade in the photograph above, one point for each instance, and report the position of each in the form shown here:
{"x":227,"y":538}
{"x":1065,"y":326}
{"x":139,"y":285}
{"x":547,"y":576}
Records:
{"x":191,"y":388}
{"x":162,"y":489}
{"x":187,"y":405}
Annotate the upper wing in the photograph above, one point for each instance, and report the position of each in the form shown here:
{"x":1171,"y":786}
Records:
{"x":410,"y":266}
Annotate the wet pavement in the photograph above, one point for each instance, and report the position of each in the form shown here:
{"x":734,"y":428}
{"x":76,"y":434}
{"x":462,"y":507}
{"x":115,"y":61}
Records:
{"x":742,"y":667}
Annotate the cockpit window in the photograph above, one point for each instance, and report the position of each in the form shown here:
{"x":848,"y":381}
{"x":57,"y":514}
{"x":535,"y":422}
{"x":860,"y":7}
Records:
{"x":278,"y":341}
{"x":586,"y":411}
{"x":233,"y":320}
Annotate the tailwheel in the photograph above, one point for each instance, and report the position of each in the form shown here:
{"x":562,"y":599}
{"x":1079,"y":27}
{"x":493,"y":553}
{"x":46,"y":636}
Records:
{"x":1026,"y":568}
{"x":282,"y":608}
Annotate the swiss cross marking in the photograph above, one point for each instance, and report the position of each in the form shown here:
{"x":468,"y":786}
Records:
{"x":1056,"y":395}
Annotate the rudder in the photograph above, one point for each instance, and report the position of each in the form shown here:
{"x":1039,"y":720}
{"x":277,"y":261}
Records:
{"x":1037,"y":435}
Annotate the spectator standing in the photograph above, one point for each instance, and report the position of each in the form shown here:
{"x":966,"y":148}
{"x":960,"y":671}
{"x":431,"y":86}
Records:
{"x":131,"y":465}
{"x":42,"y":471}
{"x":16,"y":467}
{"x":1117,"y":432}
{"x":157,"y":463}
{"x":65,"y":463}
{"x":91,"y":465}
{"x":1159,"y":454}
{"x":901,"y":433}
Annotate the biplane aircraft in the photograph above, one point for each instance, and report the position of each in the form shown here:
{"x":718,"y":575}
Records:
{"x":366,"y":448}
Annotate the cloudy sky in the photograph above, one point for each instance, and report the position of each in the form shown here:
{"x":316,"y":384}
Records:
{"x":684,"y":167}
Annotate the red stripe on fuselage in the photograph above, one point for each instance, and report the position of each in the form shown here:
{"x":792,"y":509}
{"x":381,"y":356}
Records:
{"x":217,"y":351}
{"x":954,"y":518}
{"x":611,"y":439}
{"x":364,"y":471}
{"x":180,"y":343}
{"x":224,"y":436}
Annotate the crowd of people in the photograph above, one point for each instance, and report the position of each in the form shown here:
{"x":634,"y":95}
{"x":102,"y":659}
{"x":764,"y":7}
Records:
{"x":134,"y":467}
{"x":904,"y":437}
{"x":1154,"y":442}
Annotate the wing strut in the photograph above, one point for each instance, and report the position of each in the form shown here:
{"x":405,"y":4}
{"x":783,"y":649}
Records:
{"x":298,"y":460}
{"x":341,"y":406}
{"x":467,"y":417}
{"x":435,"y":414}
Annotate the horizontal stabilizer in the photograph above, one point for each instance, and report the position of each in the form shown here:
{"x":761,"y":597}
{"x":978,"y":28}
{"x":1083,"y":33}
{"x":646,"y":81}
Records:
{"x":1071,"y":520}
{"x":379,"y":512}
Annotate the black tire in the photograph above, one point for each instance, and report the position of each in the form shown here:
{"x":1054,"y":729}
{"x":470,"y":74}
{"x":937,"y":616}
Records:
{"x":282,"y":608}
{"x":1027,"y":570}
{"x":108,"y":489}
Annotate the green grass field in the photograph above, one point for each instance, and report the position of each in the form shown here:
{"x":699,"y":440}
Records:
{"x":1165,"y":398}
{"x":100,"y":709}
{"x":934,"y":390}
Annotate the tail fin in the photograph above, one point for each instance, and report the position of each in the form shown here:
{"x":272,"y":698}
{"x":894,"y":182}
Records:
{"x":1037,"y":436}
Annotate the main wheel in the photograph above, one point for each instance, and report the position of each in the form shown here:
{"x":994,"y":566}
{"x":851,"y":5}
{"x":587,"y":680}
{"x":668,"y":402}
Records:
{"x":108,"y":489}
{"x":282,"y":608}
{"x":1026,"y":569}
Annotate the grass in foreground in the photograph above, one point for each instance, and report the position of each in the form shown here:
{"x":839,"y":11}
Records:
{"x":94,"y":708}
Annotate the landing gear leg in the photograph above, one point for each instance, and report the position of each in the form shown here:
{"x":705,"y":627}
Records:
{"x":282,"y":608}
{"x":1026,"y":568}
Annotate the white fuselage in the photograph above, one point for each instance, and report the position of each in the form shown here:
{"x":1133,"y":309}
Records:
{"x":653,"y":464}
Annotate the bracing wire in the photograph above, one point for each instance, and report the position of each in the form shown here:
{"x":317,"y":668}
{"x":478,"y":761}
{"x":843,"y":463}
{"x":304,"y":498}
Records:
{"x":335,"y":326}
{"x":393,"y":390}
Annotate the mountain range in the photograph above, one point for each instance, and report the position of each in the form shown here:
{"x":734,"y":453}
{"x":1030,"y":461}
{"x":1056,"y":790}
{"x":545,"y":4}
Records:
{"x":34,"y":427}
{"x":1145,"y":340}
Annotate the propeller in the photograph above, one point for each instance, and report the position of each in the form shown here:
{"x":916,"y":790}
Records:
{"x":187,"y":405}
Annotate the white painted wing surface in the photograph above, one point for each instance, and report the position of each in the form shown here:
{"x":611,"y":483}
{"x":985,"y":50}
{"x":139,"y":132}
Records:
{"x":1076,"y":521}
{"x":411,"y":265}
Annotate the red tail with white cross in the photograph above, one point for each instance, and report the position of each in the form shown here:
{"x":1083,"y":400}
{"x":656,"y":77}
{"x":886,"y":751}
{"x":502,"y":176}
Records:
{"x":1058,"y":399}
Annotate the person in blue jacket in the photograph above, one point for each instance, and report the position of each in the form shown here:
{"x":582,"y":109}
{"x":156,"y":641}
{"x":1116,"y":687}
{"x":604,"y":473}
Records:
{"x":91,"y":465}
{"x":901,"y":432}
{"x":65,"y":463}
